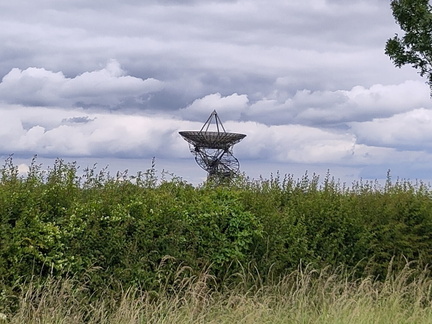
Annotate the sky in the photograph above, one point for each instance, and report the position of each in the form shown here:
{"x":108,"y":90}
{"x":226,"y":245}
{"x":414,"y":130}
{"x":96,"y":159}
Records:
{"x":112,"y":83}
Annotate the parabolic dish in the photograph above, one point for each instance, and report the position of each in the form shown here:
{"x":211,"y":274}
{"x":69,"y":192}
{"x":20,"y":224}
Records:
{"x":212,"y":140}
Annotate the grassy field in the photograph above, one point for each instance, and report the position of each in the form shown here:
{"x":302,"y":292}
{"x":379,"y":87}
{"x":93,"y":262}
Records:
{"x":304,"y":296}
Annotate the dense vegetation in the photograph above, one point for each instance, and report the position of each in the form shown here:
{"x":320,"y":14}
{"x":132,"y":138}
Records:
{"x":144,"y":232}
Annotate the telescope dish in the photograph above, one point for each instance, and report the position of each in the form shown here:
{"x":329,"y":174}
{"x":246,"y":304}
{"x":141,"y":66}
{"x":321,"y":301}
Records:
{"x":212,"y":140}
{"x":213,"y":148}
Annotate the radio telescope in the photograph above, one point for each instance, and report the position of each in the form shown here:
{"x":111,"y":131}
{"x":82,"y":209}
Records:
{"x":213,"y":148}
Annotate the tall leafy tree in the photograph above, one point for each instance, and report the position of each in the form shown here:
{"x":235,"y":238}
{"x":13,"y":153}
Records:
{"x":415,"y":46}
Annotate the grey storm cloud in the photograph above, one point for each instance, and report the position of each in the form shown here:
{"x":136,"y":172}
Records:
{"x":307,"y":81}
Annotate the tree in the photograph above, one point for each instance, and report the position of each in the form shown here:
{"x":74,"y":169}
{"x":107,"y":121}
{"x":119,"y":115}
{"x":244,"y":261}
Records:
{"x":415,"y":47}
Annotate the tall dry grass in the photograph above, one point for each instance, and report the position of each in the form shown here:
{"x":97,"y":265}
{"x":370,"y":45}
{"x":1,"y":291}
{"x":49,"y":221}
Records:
{"x":304,"y":296}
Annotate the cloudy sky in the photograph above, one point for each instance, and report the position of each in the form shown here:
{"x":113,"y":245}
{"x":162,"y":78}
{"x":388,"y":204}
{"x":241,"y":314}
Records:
{"x":112,"y":82}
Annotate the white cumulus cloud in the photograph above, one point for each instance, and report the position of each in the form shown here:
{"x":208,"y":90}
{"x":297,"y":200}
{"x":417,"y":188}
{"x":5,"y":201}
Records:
{"x":108,"y":87}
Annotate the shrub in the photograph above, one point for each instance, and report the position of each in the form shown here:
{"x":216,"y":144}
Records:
{"x":138,"y":230}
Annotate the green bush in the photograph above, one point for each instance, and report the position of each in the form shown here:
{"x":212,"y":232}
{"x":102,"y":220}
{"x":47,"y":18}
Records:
{"x":140,"y":230}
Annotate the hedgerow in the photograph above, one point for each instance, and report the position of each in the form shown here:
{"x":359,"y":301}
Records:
{"x":140,"y":230}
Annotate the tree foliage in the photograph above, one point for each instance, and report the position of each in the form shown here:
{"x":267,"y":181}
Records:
{"x":415,"y":46}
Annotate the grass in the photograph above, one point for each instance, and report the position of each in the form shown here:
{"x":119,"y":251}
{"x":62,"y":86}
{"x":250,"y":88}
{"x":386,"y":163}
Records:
{"x":304,"y":296}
